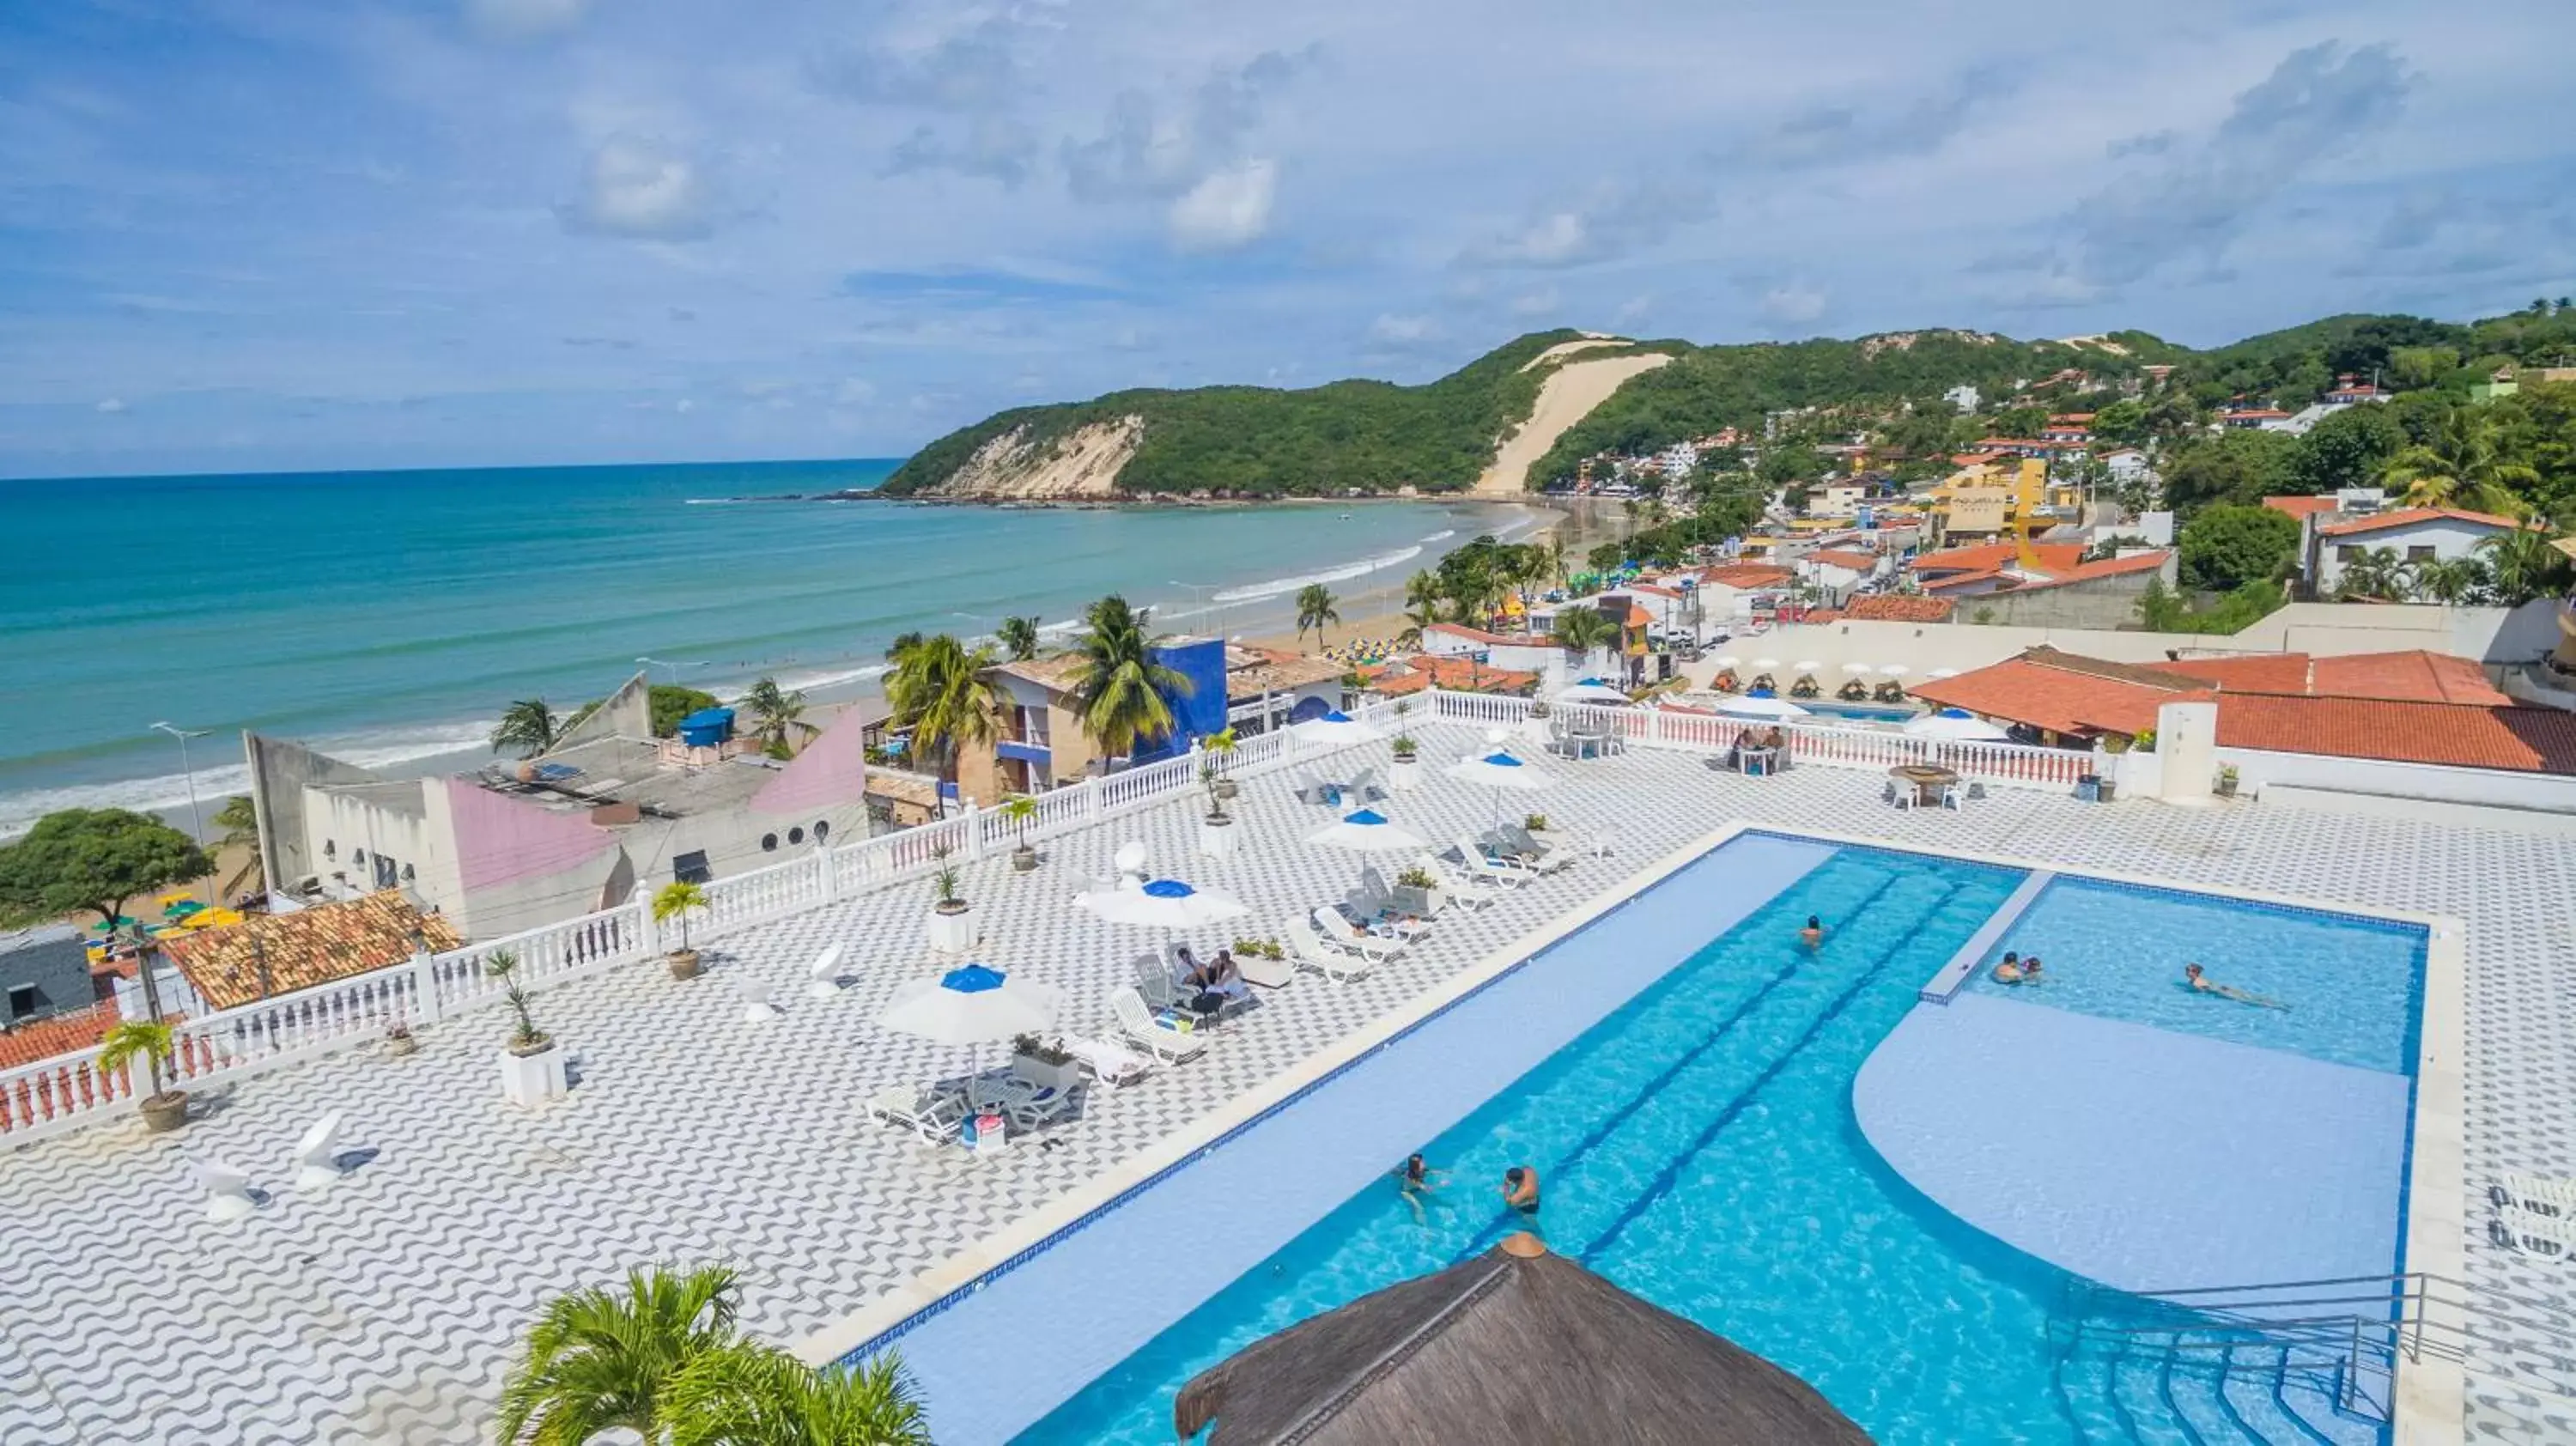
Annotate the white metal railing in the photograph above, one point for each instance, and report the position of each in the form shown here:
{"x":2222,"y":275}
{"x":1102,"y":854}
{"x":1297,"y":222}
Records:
{"x":69,"y":1091}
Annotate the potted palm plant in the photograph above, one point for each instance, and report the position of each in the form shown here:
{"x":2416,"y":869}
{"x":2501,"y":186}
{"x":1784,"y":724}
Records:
{"x":952,"y":931}
{"x":532,"y":1061}
{"x":1039,"y":1060}
{"x":1216,"y":830}
{"x":1406,"y":772}
{"x":676,"y":901}
{"x":1021,"y":810}
{"x":1220,"y":749}
{"x":156,"y":1044}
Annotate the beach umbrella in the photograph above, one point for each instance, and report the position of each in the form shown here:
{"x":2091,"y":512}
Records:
{"x":1766,"y":665}
{"x":1761,"y":705}
{"x":1516,"y":1346}
{"x":1593,"y":690}
{"x":1332,"y":730}
{"x":1162,"y":904}
{"x":1894,"y":670}
{"x":1499,"y":770}
{"x":1366,"y":831}
{"x":971,"y":1004}
{"x":1859,"y":670}
{"x":1727,"y":660}
{"x":1955,"y":725}
{"x":1805,"y":668}
{"x":1942,"y":673}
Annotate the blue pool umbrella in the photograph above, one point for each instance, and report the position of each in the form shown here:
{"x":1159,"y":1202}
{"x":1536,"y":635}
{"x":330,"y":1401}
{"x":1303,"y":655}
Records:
{"x":972,"y":1004}
{"x":1336,"y":729}
{"x":1366,"y":831}
{"x":1955,"y":725}
{"x":1499,"y":770}
{"x":1162,"y":904}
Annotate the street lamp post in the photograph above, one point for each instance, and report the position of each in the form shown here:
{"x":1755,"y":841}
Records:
{"x":196,"y":824}
{"x":1199,"y":594}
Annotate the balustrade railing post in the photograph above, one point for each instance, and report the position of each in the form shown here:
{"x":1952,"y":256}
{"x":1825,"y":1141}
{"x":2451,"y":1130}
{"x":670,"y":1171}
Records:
{"x":974,"y":832}
{"x":424,"y":987}
{"x":826,"y":879}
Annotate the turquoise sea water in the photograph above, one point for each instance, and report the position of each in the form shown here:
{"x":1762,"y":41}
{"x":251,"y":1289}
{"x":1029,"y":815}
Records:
{"x":389,"y":616}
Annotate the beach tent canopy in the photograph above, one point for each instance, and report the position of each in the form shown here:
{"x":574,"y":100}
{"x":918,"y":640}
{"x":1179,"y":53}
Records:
{"x":1515,"y":1346}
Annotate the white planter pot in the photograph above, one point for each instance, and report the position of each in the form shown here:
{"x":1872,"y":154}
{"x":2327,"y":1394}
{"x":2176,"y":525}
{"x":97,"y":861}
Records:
{"x":1063,"y":1076}
{"x":951,"y":933}
{"x":1216,"y":840}
{"x":529,"y":1080}
{"x":1404,"y":775}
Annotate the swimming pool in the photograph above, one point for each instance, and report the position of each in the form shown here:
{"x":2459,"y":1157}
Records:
{"x":1863,"y":712}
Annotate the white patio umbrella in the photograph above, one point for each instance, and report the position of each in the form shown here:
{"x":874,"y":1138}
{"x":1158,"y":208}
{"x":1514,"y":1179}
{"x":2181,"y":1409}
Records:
{"x":1162,"y":904}
{"x":1955,"y":725}
{"x":1727,"y":660}
{"x":1593,"y":690}
{"x":1805,"y":665}
{"x":1894,"y":670}
{"x":971,"y":1004}
{"x":1766,"y":665}
{"x":1332,"y":730}
{"x":1749,"y":706}
{"x":1498,"y":770}
{"x":1366,"y":831}
{"x":1859,"y":670}
{"x":1942,"y":673}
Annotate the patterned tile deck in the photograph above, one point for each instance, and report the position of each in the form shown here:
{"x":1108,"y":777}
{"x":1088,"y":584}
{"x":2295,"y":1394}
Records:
{"x":385,"y":1308}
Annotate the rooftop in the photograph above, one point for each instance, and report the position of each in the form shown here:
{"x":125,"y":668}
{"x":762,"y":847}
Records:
{"x":1057,"y":672}
{"x":269,"y":954}
{"x":1268,"y":670}
{"x":2412,"y":517}
{"x":627,"y":770}
{"x":1897,"y":607}
{"x":2416,"y":675}
{"x":695,"y":1135}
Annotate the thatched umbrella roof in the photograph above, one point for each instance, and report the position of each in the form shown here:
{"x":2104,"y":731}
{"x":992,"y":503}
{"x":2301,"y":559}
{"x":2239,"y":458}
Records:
{"x":1517,"y":1345}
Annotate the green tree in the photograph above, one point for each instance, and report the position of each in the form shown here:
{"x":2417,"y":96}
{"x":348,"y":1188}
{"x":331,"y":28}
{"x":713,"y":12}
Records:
{"x":600,"y":1360}
{"x":2522,"y":565}
{"x":2120,"y":424}
{"x":675,"y":901}
{"x":1018,"y":637}
{"x":2158,"y":609}
{"x":96,"y":860}
{"x":1315,"y":609}
{"x":2227,"y":546}
{"x":1421,"y":607}
{"x":2376,"y":572}
{"x":239,"y":820}
{"x":2449,"y":579}
{"x":939,"y":690}
{"x":152,"y":1041}
{"x":777,"y":716}
{"x":2414,"y":367}
{"x":2347,"y":449}
{"x":670,"y":703}
{"x":903,"y":643}
{"x":2239,"y":466}
{"x":2466,"y":464}
{"x":527,"y":726}
{"x":1121,"y":689}
{"x":1582,"y":630}
{"x":748,"y":1394}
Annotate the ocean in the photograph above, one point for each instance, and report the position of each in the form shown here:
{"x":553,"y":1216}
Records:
{"x":388,"y":617}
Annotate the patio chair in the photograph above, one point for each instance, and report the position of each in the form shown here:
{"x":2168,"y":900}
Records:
{"x":1365,"y":786}
{"x":1472,"y":893}
{"x":2551,"y":1237}
{"x":1539,"y":854}
{"x":934,"y":1115}
{"x":2544,"y":1195}
{"x":1138,"y":1026}
{"x":1950,"y":798}
{"x":1905,"y":798}
{"x":1309,"y":788}
{"x":1483,"y":865}
{"x":1156,"y":984}
{"x":1313,"y":952}
{"x":317,"y":1154}
{"x":1111,"y":1064}
{"x":1336,"y":930}
{"x":228,"y":1194}
{"x":825,"y":972}
{"x":756,"y":1008}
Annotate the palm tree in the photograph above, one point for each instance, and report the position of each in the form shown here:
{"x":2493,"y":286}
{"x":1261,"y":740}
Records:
{"x":903,"y":643}
{"x":528,"y":726}
{"x":2463,"y":465}
{"x":939,"y":690}
{"x":748,"y":1394}
{"x":1121,"y":688}
{"x":239,"y":820}
{"x":2376,"y":572}
{"x":1581,"y":630}
{"x":2522,"y":563}
{"x":598,"y":1360}
{"x":1019,"y":638}
{"x":777,"y":715}
{"x":1421,"y":607}
{"x":1556,"y":556}
{"x":1314,"y":609}
{"x":2449,"y":579}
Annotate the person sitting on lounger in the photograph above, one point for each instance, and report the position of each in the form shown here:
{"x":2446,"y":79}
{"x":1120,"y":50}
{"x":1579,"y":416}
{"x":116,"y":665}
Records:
{"x":2192,"y":975}
{"x":1814,"y":933}
{"x":2009,"y":971}
{"x":1413,"y":1182}
{"x":1219,"y":976}
{"x":1520,"y":1191}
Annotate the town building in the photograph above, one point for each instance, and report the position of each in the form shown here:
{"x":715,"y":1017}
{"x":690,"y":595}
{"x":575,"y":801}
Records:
{"x":2336,"y":529}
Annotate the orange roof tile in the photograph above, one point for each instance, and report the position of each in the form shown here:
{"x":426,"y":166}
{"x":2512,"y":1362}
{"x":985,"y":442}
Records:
{"x":2053,"y":557}
{"x":2091,"y":571}
{"x":2417,"y":676}
{"x":2300,"y":506}
{"x":270,"y":954}
{"x":2522,"y":740}
{"x":2413,"y":517}
{"x":1748,"y":575}
{"x":2021,"y":691}
{"x":2252,"y":672}
{"x":1897,"y":607}
{"x":70,"y":1032}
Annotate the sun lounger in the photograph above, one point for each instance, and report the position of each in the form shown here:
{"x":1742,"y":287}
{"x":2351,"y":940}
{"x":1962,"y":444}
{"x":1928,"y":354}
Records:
{"x":2551,"y":1237}
{"x":1472,"y":893}
{"x":1365,"y":787}
{"x":1483,"y":865}
{"x":1536,"y":852}
{"x":1109,"y":1063}
{"x":935,"y":1116}
{"x":1339,"y":965}
{"x":1155,"y":984}
{"x":1337,"y":931}
{"x":1139,"y":1026}
{"x":2544,"y":1195}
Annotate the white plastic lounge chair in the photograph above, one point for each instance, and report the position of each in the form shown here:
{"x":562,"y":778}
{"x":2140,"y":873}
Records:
{"x":1950,"y":798}
{"x":1335,"y":930}
{"x":316,"y":1155}
{"x":1365,"y":786}
{"x":2551,"y":1237}
{"x":1483,"y":865}
{"x":1536,"y":852}
{"x":1473,"y":892}
{"x":756,"y":1008}
{"x":1338,"y":965}
{"x":1110,"y":1064}
{"x":1028,"y":1105}
{"x":934,"y":1115}
{"x":1155,"y":984}
{"x":1309,"y":790}
{"x":825,"y":972}
{"x":1138,"y":1025}
{"x":227,"y":1191}
{"x":2542,"y":1195}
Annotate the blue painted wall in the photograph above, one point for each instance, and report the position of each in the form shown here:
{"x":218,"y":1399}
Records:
{"x":1202,"y":661}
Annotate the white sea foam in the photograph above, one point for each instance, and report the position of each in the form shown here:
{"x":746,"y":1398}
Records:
{"x":383,"y":748}
{"x":1442,"y":535}
{"x":1281,"y":586}
{"x":832,"y":677}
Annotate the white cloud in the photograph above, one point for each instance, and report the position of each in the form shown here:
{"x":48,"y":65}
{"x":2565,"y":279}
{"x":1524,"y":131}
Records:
{"x":523,"y":20}
{"x":639,"y":187}
{"x":1552,"y":240}
{"x":112,"y":406}
{"x":1229,"y":209}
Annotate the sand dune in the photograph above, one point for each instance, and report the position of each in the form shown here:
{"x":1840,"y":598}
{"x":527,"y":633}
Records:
{"x":1565,"y":398}
{"x":1590,"y":340}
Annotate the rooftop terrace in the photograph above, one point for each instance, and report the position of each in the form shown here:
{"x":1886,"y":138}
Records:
{"x":387,"y":1307}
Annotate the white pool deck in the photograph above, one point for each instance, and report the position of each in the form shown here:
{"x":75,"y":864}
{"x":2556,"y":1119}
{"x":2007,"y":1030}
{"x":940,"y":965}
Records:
{"x":386,"y":1308}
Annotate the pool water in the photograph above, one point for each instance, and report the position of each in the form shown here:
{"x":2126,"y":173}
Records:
{"x":2354,"y":985}
{"x":1867,"y":712}
{"x":1699,"y":1149}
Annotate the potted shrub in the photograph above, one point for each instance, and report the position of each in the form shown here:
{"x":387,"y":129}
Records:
{"x":1038,"y":1060}
{"x":532,"y":1061}
{"x":1418,"y":893}
{"x":1216,"y":831}
{"x":1021,"y":810}
{"x":398,"y":1041}
{"x":1406,"y":772}
{"x":156,"y":1044}
{"x":1220,"y":748}
{"x":677,"y":900}
{"x":2227,"y":780}
{"x":951,"y":930}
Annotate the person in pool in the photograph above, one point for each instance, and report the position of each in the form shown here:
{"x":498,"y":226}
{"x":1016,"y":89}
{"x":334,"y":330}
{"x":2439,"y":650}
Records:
{"x":1814,"y":933}
{"x":2192,"y":975}
{"x":2030,"y":970}
{"x":1520,"y":1190}
{"x":2009,"y":971}
{"x":1413,"y":1181}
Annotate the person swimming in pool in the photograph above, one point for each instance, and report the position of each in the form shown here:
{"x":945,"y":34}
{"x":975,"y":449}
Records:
{"x":2192,"y":975}
{"x":1520,"y":1191}
{"x":2009,"y":971}
{"x":1814,"y":933}
{"x":1413,"y":1181}
{"x":2030,"y":968}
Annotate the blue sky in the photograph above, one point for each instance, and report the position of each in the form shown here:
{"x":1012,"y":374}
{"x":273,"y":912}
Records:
{"x":255,"y":234}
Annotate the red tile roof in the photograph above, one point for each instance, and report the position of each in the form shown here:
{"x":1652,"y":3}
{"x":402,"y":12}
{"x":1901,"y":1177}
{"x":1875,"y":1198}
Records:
{"x":70,"y":1032}
{"x":2301,"y":506}
{"x":1458,"y":675}
{"x":278,"y":953}
{"x":2253,"y":673}
{"x":2522,"y":740}
{"x":1961,"y":579}
{"x":2031,"y":689}
{"x":2094,"y":571}
{"x":2417,"y":676}
{"x":1897,"y":607}
{"x":2053,"y":556}
{"x":1748,"y":575}
{"x":2414,"y":517}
